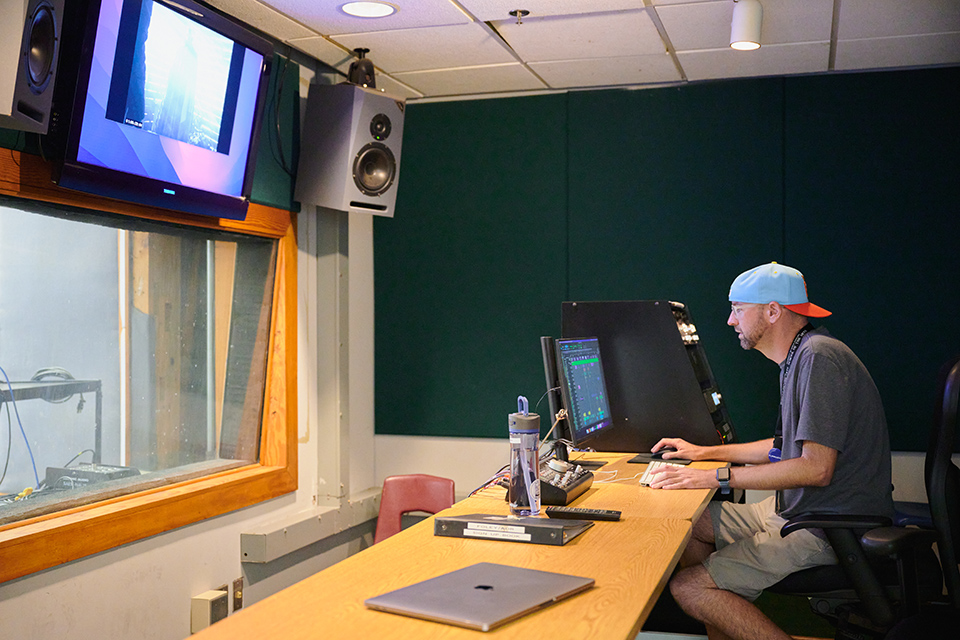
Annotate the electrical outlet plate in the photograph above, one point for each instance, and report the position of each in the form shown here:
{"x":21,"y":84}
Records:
{"x":238,"y":594}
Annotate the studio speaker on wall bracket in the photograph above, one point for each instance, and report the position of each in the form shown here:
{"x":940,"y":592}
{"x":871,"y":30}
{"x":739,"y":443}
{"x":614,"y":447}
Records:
{"x":350,"y":149}
{"x":30,"y":39}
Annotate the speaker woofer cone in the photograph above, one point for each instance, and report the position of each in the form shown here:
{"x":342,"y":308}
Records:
{"x":374,"y":169}
{"x":41,"y":48}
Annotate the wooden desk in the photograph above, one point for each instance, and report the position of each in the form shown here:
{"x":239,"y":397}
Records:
{"x":631,"y":561}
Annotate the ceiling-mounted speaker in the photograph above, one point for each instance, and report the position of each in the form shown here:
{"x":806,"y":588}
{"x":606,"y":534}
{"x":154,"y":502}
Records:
{"x":30,"y":39}
{"x":350,"y":149}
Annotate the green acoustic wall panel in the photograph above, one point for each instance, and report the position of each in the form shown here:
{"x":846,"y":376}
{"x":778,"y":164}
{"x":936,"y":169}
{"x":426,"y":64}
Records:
{"x":276,"y":170}
{"x":673,"y":192}
{"x":470,"y":271}
{"x":873,"y":195}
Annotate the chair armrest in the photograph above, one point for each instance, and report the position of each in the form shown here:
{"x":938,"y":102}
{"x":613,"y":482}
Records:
{"x":831,"y":521}
{"x":891,"y":541}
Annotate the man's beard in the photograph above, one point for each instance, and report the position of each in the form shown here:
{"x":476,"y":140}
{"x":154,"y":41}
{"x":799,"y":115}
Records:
{"x":750,"y":341}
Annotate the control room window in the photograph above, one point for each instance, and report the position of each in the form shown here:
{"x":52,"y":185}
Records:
{"x":133,"y":354}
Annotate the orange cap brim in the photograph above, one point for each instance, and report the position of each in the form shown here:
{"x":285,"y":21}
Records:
{"x":808,"y":309}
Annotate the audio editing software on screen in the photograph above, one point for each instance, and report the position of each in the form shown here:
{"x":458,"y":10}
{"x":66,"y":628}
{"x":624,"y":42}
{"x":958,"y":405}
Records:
{"x":589,"y":409}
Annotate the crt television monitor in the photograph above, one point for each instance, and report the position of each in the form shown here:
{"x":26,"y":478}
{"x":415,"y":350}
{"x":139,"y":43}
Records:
{"x":166,"y":107}
{"x":583,"y":389}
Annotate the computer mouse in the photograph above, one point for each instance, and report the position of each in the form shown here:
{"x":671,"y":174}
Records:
{"x":658,"y":455}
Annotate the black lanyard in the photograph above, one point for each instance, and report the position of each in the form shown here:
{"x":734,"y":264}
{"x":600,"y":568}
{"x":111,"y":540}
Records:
{"x":778,"y":436}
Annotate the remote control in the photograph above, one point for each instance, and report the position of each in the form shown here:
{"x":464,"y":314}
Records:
{"x":580,"y":513}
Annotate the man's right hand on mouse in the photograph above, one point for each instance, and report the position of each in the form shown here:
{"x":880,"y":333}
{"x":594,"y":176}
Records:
{"x":669,"y":448}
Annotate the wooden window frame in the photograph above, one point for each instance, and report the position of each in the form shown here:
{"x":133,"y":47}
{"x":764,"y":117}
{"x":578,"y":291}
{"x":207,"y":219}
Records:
{"x":53,"y":539}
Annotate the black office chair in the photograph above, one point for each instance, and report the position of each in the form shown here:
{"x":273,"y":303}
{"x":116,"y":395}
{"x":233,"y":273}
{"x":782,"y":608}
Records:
{"x":888,"y":579}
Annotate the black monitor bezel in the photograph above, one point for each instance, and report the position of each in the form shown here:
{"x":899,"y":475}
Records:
{"x":576,"y":436}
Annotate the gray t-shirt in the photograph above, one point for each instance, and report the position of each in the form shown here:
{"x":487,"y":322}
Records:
{"x":829,"y":398}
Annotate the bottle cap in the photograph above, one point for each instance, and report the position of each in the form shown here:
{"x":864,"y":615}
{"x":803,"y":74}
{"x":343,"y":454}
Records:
{"x":529,"y":423}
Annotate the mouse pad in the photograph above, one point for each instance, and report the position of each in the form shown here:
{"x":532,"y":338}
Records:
{"x":646,"y":458}
{"x":481,"y":596}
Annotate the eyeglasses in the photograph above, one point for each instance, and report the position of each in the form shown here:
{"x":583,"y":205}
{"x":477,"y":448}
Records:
{"x":737,"y":308}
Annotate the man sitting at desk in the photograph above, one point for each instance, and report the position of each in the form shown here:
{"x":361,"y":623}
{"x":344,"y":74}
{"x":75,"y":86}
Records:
{"x":835,"y":458}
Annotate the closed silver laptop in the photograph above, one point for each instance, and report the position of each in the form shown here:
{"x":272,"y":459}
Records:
{"x":481,"y":596}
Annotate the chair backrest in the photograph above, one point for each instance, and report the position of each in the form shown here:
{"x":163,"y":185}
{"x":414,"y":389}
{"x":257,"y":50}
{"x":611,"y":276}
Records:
{"x":406,"y":493}
{"x":943,"y":477}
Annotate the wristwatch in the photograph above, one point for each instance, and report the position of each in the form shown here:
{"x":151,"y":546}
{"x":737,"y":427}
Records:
{"x":723,"y":478}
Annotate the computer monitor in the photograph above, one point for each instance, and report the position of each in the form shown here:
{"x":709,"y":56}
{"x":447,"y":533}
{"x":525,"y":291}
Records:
{"x":583,"y":389}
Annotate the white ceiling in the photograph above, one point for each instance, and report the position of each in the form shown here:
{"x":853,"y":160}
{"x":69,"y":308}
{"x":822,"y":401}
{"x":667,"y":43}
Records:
{"x":468,"y":48}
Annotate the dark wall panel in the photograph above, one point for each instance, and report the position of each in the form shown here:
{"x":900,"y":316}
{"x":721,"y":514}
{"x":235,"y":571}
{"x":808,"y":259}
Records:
{"x":673,"y":193}
{"x":873,"y":195}
{"x":471,"y":270}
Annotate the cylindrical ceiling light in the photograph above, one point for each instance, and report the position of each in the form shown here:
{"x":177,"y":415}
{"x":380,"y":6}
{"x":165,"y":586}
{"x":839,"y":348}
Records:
{"x":745,"y":26}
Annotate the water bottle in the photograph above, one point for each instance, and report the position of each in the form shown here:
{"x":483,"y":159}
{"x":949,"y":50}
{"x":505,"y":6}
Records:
{"x":524,"y":492}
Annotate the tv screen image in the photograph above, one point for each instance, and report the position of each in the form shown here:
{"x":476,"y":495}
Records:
{"x":163,"y":88}
{"x":172,"y":96}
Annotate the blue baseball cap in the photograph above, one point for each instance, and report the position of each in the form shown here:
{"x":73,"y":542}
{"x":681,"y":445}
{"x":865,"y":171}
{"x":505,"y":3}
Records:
{"x":775,"y":283}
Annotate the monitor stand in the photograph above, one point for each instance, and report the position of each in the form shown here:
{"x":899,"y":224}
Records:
{"x":560,"y":453}
{"x":589,"y":465}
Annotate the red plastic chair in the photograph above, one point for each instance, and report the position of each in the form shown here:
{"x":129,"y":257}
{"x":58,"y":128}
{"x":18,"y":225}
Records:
{"x":414,"y":492}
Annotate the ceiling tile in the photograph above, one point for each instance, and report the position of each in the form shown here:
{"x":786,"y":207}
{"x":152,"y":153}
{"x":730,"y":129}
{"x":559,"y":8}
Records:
{"x":706,"y":25}
{"x":326,"y":18}
{"x":438,"y":47}
{"x":263,"y":17}
{"x":325,"y":51}
{"x":488,"y":10}
{"x":472,"y":80}
{"x":601,"y":35}
{"x":908,"y":51}
{"x":630,"y":70}
{"x":771,"y":60}
{"x":880,"y":18}
{"x":395,"y":88}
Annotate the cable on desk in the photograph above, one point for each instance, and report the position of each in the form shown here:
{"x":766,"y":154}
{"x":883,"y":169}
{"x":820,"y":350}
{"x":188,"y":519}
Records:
{"x":78,"y":455}
{"x":20,"y":422}
{"x":502,"y":474}
{"x":614,"y":480}
{"x":6,"y":464}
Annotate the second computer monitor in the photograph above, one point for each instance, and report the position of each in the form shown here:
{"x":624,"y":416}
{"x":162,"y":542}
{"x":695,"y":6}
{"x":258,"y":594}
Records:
{"x":583,"y":388}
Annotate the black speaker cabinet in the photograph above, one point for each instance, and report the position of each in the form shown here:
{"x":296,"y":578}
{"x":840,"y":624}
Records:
{"x":30,"y":38}
{"x":350,"y":149}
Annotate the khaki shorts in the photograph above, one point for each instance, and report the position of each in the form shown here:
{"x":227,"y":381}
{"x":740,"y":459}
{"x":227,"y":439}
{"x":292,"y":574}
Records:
{"x":751,"y":555}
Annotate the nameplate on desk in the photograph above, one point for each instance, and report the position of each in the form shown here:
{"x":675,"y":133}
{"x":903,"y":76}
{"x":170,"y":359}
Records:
{"x":525,"y":529}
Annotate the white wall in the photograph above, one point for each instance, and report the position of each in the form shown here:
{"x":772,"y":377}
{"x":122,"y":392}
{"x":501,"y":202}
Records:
{"x":472,"y":461}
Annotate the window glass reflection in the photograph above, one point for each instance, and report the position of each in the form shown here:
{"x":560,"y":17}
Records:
{"x":133,"y":354}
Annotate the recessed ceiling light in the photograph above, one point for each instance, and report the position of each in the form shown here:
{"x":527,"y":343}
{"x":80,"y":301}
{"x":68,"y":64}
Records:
{"x":369,"y":9}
